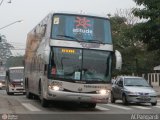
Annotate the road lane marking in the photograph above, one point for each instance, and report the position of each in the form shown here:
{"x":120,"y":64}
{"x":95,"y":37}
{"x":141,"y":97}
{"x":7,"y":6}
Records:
{"x":117,"y":106}
{"x":102,"y":108}
{"x":141,"y":107}
{"x":30,"y":107}
{"x":157,"y":106}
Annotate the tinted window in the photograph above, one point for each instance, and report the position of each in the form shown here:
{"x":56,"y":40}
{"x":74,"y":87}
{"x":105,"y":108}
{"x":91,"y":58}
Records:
{"x":80,"y":64}
{"x":90,"y":29}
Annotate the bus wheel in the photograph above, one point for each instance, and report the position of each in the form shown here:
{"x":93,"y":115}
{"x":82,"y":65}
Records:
{"x":44,"y":102}
{"x":91,"y":105}
{"x":28,"y":95}
{"x":9,"y":93}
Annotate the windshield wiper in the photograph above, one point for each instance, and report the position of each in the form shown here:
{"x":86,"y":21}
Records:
{"x":97,"y":41}
{"x":95,"y":79}
{"x":129,"y":85}
{"x":139,"y":85}
{"x":66,"y":36}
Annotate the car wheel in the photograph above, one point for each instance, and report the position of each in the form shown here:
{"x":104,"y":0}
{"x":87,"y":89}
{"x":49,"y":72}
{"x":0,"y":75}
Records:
{"x":112,"y":98}
{"x":124,"y":100}
{"x":154,"y":103}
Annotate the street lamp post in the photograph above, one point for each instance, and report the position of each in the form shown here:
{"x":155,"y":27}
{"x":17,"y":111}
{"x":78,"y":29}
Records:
{"x":3,"y":0}
{"x":11,"y":24}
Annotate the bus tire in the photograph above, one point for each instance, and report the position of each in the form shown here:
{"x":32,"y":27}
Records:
{"x":9,"y":93}
{"x":28,"y":95}
{"x":91,"y":105}
{"x":44,"y":102}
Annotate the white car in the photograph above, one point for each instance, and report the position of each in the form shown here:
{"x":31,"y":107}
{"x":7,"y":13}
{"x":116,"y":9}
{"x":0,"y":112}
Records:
{"x":131,"y":89}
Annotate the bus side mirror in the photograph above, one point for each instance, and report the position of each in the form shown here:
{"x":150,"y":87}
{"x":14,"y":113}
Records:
{"x":118,"y":60}
{"x":6,"y":73}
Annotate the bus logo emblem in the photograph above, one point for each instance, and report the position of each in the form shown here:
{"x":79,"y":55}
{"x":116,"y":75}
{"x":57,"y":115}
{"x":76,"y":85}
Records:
{"x":79,"y":89}
{"x":82,"y":22}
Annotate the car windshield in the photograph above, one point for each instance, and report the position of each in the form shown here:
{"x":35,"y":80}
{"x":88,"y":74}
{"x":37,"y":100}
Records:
{"x":136,"y":82}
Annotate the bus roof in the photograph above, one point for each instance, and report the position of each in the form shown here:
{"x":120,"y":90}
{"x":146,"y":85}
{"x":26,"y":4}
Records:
{"x":20,"y":67}
{"x":80,"y":13}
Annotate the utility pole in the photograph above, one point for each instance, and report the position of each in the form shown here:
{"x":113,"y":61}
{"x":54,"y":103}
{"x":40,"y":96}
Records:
{"x":11,"y":24}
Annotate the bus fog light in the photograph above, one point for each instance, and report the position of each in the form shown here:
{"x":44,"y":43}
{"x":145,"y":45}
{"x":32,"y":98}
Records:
{"x":56,"y":88}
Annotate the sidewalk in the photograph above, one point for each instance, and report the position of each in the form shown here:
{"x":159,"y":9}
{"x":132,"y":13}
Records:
{"x":157,"y":89}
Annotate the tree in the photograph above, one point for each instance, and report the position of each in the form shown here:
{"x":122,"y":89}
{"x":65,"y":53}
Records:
{"x":133,"y":51}
{"x":5,"y":49}
{"x":14,"y":61}
{"x":124,"y":43}
{"x":148,"y":31}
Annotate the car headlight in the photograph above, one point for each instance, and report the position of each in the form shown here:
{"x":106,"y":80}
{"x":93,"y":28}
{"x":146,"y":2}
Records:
{"x":131,"y":93}
{"x":153,"y":94}
{"x":0,"y":83}
{"x":103,"y":92}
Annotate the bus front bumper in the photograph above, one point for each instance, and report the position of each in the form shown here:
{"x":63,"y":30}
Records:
{"x":77,"y":97}
{"x":16,"y":90}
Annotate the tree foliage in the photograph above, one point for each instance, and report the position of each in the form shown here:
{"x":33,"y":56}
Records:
{"x":149,"y":31}
{"x":5,"y":49}
{"x":14,"y":61}
{"x":136,"y":58}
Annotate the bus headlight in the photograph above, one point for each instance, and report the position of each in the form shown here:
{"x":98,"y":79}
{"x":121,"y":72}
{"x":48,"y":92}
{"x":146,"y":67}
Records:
{"x":103,"y":92}
{"x":55,"y":87}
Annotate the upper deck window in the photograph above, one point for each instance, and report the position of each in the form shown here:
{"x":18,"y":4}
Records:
{"x":81,"y":28}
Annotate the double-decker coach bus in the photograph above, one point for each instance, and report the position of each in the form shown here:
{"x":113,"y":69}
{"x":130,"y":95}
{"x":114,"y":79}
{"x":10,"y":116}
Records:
{"x":14,"y":80}
{"x":68,"y":58}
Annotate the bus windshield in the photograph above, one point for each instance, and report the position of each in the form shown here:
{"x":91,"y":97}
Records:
{"x":80,"y":64}
{"x":16,"y":74}
{"x":2,"y":77}
{"x":81,"y":28}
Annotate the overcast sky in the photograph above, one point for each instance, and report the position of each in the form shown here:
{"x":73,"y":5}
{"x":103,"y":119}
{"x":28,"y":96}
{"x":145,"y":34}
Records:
{"x":33,"y":11}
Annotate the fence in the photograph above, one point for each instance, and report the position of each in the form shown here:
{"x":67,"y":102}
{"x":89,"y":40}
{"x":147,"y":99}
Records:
{"x":152,"y":78}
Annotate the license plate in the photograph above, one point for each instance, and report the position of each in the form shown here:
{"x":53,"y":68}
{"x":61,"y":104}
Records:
{"x":145,"y":98}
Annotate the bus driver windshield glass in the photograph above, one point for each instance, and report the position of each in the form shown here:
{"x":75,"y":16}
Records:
{"x":81,"y":28}
{"x":80,"y":64}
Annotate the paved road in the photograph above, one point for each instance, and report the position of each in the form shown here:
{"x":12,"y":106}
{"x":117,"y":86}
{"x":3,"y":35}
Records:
{"x":31,"y":109}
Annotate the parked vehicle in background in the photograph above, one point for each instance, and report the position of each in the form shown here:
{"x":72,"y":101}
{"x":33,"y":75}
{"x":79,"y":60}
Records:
{"x":2,"y":81}
{"x":131,"y":89}
{"x":2,"y":77}
{"x":14,"y":80}
{"x":68,"y":57}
